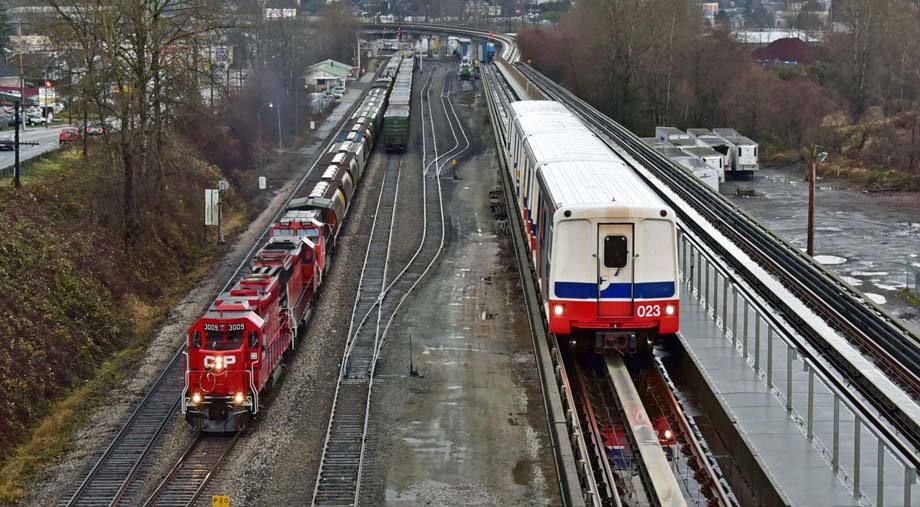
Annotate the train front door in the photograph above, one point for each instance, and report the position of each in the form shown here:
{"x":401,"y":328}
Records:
{"x":615,"y":270}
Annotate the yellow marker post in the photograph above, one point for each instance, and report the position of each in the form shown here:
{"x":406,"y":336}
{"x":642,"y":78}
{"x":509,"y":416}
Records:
{"x":220,"y":501}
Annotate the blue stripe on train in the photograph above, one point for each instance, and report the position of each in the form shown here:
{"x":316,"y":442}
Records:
{"x":583,"y":290}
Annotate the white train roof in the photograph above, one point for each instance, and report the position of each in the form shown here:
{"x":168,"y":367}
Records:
{"x":530,"y":106}
{"x":549,"y":121}
{"x":603,"y":184}
{"x":554,"y":147}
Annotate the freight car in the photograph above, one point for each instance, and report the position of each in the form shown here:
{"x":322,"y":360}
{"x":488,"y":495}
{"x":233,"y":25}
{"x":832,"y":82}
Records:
{"x":396,"y":118}
{"x":604,"y":245}
{"x":235,"y":349}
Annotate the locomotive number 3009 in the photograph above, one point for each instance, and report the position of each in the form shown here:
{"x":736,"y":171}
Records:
{"x":648,"y":311}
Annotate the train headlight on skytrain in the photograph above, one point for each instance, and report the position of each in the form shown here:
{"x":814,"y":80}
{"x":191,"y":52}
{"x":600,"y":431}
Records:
{"x":670,"y":310}
{"x":558,"y":310}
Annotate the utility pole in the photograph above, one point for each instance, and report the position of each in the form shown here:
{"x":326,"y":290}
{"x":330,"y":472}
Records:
{"x":358,"y":52}
{"x":812,"y":174}
{"x":22,"y":80}
{"x":278,"y":110}
{"x":812,"y":181}
{"x":16,"y":167}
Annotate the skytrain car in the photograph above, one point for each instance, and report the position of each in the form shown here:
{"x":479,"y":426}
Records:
{"x":603,"y":243}
{"x":606,"y":255}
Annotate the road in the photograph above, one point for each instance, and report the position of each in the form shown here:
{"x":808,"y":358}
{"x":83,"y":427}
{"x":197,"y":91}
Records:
{"x":47,"y":139}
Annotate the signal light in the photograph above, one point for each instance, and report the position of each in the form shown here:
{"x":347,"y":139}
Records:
{"x":49,"y":83}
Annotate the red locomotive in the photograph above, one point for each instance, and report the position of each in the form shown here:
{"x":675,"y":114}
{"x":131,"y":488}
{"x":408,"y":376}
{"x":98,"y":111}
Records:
{"x":236,"y":347}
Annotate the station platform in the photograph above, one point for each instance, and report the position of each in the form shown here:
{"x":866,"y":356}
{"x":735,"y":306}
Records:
{"x":800,"y":470}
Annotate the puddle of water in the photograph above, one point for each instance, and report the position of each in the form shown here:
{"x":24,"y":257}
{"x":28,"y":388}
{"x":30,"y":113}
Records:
{"x":855,"y":282}
{"x":876,"y":298}
{"x":858,"y":235}
{"x":830,"y":260}
{"x":521,"y":473}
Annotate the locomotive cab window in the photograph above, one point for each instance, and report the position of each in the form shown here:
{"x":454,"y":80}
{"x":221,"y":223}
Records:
{"x":615,"y":252}
{"x":253,"y":339}
{"x":230,"y":340}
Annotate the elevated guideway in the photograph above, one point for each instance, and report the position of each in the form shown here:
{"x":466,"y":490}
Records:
{"x":841,"y":371}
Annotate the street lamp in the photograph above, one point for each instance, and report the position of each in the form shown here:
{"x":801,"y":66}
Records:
{"x":278,"y":112}
{"x":813,"y":175}
{"x":259,"y":121}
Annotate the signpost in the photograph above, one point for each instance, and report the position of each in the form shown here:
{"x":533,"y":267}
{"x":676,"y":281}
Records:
{"x":211,"y":199}
{"x":220,"y":501}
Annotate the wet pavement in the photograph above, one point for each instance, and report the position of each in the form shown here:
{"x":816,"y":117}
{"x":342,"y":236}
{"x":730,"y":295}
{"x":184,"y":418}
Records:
{"x":470,"y":429}
{"x":867,"y":239}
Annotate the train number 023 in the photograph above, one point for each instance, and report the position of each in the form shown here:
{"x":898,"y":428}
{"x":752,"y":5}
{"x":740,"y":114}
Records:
{"x":648,"y":311}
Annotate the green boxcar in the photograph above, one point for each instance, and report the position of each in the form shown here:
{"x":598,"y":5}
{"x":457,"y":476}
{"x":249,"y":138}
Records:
{"x":396,"y":128}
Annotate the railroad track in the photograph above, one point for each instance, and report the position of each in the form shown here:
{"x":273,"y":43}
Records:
{"x":893,"y":348}
{"x":192,"y":472}
{"x":338,"y":478}
{"x":381,"y":295}
{"x":110,"y":478}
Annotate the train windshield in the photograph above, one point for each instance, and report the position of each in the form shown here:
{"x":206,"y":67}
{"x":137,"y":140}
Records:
{"x":615,"y":251}
{"x":226,"y":340}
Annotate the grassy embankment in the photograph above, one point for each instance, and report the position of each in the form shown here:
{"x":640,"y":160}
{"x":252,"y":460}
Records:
{"x":78,"y":308}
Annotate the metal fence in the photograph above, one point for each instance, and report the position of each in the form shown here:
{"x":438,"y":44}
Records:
{"x":852,"y":443}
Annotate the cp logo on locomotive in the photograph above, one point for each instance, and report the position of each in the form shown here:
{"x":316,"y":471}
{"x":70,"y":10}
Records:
{"x":223,"y":361}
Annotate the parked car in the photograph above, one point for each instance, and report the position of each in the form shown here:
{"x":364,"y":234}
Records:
{"x":6,"y":141}
{"x":11,"y":120}
{"x":69,"y":135}
{"x":339,"y":89}
{"x":35,"y":118}
{"x":95,"y":129}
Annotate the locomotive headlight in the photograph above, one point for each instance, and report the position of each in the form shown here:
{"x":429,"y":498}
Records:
{"x":239,"y":398}
{"x":558,"y":310}
{"x":196,"y":398}
{"x":669,"y":310}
